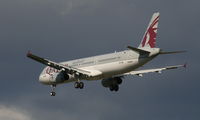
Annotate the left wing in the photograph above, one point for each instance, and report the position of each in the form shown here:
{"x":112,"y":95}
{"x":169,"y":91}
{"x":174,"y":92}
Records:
{"x":58,"y":66}
{"x":158,"y":70}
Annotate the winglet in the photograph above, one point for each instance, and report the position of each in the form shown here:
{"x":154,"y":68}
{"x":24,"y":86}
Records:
{"x":185,"y":65}
{"x":28,"y":53}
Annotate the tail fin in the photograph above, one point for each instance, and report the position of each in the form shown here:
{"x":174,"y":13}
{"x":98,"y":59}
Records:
{"x":149,"y":38}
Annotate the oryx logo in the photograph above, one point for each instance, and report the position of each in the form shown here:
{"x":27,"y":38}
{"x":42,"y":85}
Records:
{"x":150,"y":35}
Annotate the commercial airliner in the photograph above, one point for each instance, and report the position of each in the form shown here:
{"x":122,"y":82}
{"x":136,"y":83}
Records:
{"x":110,"y":68}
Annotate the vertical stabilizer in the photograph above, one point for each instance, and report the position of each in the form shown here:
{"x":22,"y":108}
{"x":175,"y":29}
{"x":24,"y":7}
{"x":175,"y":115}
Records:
{"x":149,"y":38}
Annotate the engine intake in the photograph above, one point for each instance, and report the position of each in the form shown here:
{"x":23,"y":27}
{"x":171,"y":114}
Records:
{"x":62,"y":77}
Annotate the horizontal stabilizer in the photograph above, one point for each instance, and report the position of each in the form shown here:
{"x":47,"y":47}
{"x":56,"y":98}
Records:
{"x":140,"y":51}
{"x":171,"y":52}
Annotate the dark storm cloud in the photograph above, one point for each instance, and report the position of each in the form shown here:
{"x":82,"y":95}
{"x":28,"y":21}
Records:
{"x":68,"y":29}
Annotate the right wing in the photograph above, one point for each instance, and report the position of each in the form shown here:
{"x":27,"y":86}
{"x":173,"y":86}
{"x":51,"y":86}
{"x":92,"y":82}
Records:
{"x":58,"y":66}
{"x":157,"y":70}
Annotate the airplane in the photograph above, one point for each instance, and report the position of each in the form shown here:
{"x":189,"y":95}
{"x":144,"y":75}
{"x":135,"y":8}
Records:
{"x":110,"y":68}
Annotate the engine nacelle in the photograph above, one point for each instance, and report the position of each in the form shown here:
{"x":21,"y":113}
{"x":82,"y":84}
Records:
{"x":62,"y":77}
{"x":111,"y":81}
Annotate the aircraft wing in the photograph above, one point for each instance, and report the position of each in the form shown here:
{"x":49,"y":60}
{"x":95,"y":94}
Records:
{"x":66,"y":68}
{"x":157,"y":70}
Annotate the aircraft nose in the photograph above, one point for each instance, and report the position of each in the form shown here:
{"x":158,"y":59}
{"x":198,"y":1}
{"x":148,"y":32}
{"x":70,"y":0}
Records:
{"x":44,"y":79}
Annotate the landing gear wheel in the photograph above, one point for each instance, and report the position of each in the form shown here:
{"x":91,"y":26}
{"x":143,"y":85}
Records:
{"x":53,"y":94}
{"x":81,"y":85}
{"x":111,"y":88}
{"x":76,"y":84}
{"x":116,"y":88}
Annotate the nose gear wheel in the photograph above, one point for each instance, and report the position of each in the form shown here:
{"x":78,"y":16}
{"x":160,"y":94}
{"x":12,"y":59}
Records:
{"x":53,"y":93}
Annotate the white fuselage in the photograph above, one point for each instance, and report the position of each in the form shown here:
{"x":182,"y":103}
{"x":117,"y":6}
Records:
{"x":102,"y":66}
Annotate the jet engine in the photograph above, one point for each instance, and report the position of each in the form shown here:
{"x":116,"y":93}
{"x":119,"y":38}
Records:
{"x":62,"y":77}
{"x":112,"y":83}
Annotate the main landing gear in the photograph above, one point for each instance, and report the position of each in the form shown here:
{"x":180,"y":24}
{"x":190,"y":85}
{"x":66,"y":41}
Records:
{"x":53,"y":93}
{"x":79,"y":85}
{"x":112,"y":83}
{"x":114,"y":88}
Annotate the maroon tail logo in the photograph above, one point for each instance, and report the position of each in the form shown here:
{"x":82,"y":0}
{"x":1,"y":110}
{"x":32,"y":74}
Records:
{"x":152,"y":34}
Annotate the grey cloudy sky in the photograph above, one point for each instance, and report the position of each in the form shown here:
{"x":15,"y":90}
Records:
{"x":69,"y":29}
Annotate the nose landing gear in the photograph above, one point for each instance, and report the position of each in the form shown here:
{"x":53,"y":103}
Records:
{"x":53,"y":93}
